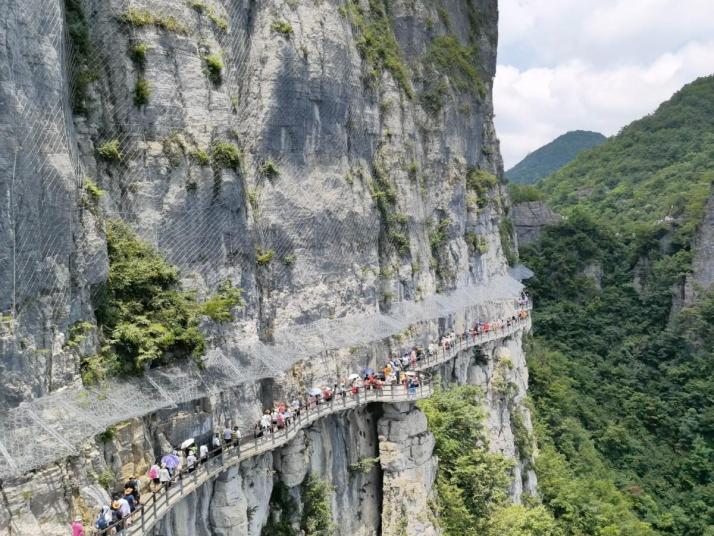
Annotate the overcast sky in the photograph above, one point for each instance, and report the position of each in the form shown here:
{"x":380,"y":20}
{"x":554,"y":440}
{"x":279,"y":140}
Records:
{"x":593,"y":64}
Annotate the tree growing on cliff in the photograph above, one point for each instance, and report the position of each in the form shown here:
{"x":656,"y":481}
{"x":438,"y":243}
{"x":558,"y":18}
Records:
{"x":145,"y":318}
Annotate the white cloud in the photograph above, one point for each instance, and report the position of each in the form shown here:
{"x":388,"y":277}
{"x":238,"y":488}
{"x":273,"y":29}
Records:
{"x":601,"y":32}
{"x":593,"y":64}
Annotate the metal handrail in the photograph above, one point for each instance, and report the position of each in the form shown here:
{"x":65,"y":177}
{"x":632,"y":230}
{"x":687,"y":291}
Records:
{"x":147,"y":514}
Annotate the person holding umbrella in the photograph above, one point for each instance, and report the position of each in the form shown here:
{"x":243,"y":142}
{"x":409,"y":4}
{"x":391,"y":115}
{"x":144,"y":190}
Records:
{"x":314,"y":396}
{"x":172,"y":462}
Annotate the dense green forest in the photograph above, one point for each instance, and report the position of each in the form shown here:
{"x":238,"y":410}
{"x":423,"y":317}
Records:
{"x":622,"y":384}
{"x":553,"y":156}
{"x":472,"y":484}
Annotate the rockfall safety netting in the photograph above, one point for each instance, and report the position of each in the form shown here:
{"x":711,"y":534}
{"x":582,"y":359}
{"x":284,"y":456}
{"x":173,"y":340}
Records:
{"x":52,"y":427}
{"x":47,"y":205}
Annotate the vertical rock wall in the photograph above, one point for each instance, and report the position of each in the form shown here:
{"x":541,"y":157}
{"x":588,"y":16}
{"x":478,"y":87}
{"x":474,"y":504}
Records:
{"x":342,"y":135}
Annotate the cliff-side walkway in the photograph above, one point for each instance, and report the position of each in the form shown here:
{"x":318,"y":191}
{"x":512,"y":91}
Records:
{"x":159,"y":504}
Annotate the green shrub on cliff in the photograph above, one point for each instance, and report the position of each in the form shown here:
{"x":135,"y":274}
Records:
{"x":226,"y":155}
{"x":472,"y":482}
{"x":219,"y":306}
{"x":137,"y":53}
{"x":270,"y":169}
{"x":316,"y":517}
{"x":377,"y":43}
{"x":110,"y":151}
{"x":263,"y":257}
{"x":142,"y":92}
{"x":143,"y":17}
{"x":448,"y":56}
{"x":84,"y":70}
{"x":524,"y":193}
{"x":214,"y":67}
{"x":282,"y":27}
{"x":481,"y":182}
{"x":144,"y":317}
{"x":94,"y":192}
{"x":280,"y":510}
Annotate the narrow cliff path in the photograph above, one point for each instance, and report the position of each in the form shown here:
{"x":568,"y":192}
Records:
{"x":160,"y":504}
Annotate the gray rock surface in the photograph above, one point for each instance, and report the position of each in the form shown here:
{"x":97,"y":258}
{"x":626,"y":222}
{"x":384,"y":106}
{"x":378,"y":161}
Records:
{"x":409,"y":472}
{"x":303,"y":101}
{"x":702,"y":276}
{"x":530,"y":218}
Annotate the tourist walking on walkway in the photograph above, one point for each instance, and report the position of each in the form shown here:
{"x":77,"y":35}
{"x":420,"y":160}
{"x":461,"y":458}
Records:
{"x":164,"y":476}
{"x":154,"y":477}
{"x":236,"y":437}
{"x":191,"y":461}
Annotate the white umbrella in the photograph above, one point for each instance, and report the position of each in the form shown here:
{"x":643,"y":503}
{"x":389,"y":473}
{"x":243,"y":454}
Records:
{"x":187,"y":443}
{"x":353,"y":377}
{"x":314,"y":391}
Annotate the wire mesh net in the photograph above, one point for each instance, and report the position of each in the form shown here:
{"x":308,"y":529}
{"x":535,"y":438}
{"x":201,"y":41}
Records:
{"x":315,"y":220}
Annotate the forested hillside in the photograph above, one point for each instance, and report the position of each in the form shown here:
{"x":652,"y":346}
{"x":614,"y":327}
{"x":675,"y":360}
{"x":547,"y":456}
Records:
{"x":553,"y":156}
{"x":621,"y":380}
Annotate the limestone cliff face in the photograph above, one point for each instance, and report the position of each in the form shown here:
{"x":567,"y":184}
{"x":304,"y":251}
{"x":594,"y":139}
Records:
{"x":304,"y":100}
{"x":352,"y":173}
{"x":702,"y":276}
{"x":529,"y":219}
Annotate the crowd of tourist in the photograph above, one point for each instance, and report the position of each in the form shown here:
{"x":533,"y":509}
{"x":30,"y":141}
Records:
{"x":401,"y":368}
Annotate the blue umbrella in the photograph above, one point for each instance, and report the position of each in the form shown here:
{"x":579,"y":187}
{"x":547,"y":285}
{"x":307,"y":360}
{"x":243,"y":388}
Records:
{"x":172,"y":461}
{"x":367,"y":372}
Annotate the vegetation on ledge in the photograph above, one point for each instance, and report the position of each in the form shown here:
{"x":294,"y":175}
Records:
{"x":480,"y":182}
{"x":142,"y":92}
{"x":110,"y":151}
{"x":144,"y":317}
{"x":316,"y":517}
{"x":473,"y":484}
{"x":377,"y":43}
{"x":143,"y":17}
{"x":282,"y":27}
{"x":449,"y":57}
{"x":84,"y":71}
{"x":226,"y":155}
{"x":524,"y":193}
{"x":214,"y":67}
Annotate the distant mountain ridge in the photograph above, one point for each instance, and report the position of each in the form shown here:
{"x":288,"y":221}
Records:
{"x":553,"y":156}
